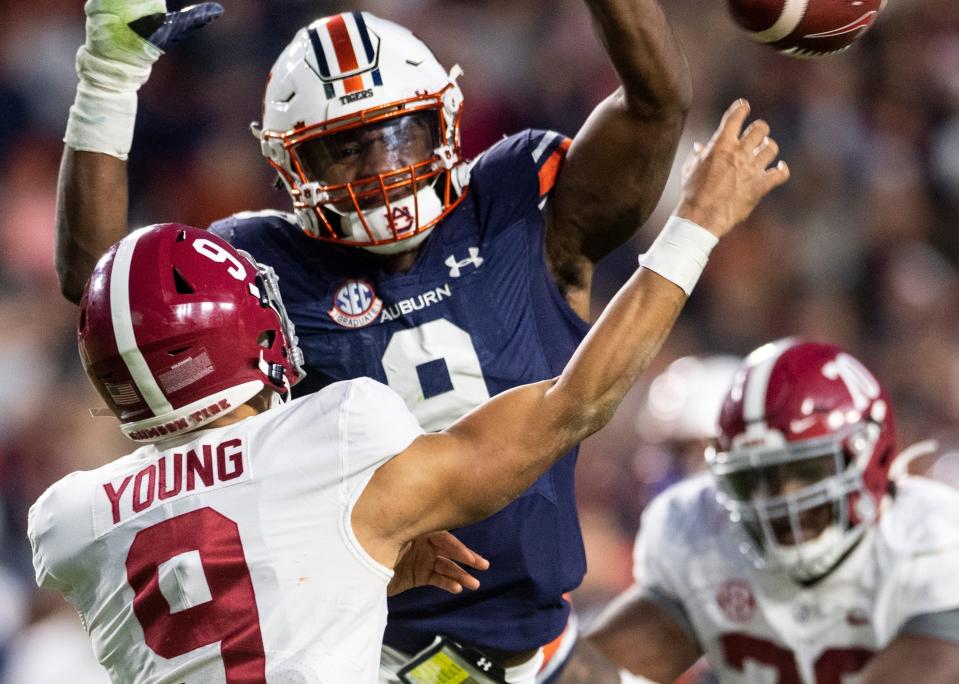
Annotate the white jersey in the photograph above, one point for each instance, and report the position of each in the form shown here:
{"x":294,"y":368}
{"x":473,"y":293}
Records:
{"x":229,"y":556}
{"x":760,"y":627}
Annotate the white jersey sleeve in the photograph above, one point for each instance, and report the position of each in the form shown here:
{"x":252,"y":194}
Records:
{"x":920,"y":538}
{"x":376,"y":425}
{"x":673,"y":526}
{"x":57,"y":530}
{"x":650,"y":565}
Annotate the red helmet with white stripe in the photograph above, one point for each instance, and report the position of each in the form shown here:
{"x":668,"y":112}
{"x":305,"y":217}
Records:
{"x":361,"y":122}
{"x":806,"y":441}
{"x":177,"y":328}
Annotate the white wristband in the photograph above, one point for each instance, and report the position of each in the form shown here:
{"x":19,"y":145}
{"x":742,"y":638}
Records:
{"x":680,"y":252}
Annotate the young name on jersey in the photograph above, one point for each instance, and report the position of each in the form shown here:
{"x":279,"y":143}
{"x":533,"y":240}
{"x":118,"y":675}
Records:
{"x":174,"y":474}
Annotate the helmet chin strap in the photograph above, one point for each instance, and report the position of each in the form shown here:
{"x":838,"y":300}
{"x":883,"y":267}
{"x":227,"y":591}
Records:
{"x":424,"y":205}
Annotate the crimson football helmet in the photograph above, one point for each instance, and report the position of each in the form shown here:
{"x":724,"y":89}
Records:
{"x":177,"y":327}
{"x":362,"y":124}
{"x":803,"y":455}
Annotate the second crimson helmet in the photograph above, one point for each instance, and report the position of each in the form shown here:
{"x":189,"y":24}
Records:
{"x":802,"y":462}
{"x":177,"y":327}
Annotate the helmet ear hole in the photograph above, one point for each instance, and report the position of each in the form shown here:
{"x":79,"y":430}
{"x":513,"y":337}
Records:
{"x":266,"y":339}
{"x":181,"y":284}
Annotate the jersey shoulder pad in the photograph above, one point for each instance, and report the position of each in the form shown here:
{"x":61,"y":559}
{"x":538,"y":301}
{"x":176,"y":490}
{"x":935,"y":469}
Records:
{"x":59,"y":525}
{"x":917,"y":548}
{"x":376,"y":423}
{"x":274,"y":238}
{"x":247,"y":228}
{"x":923,"y":518}
{"x":670,"y":538}
{"x":366,"y":420}
{"x":685,"y":514}
{"x":516,"y":174}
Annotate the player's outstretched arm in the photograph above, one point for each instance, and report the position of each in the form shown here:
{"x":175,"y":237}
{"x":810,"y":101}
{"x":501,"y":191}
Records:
{"x":911,"y":658}
{"x":620,"y":159}
{"x":642,"y":638}
{"x":123,"y":40}
{"x":489,"y":457}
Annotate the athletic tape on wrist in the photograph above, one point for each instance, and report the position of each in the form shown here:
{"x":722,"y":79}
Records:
{"x":104,"y":111}
{"x":101,"y":121}
{"x":680,"y":252}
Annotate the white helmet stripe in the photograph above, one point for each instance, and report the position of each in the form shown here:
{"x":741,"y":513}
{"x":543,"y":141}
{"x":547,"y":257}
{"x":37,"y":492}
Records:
{"x":793,"y":13}
{"x":344,"y":49}
{"x":329,"y":55}
{"x":359,"y":49}
{"x":364,"y":34}
{"x":123,"y":327}
{"x":757,"y":381}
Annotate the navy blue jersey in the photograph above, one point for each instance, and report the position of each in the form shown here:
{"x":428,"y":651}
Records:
{"x":477,"y":314}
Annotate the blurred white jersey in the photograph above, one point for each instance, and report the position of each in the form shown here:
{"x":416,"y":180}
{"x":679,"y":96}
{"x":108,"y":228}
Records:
{"x":761,"y":627}
{"x":228,"y":556}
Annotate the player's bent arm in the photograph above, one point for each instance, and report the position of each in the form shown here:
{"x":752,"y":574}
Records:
{"x":619,"y":161}
{"x":913,"y":658}
{"x":643,"y":638}
{"x":91,"y":214}
{"x":490,"y":456}
{"x":123,"y":40}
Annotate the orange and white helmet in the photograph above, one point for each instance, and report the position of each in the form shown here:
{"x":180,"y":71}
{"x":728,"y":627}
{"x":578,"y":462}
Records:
{"x":361,"y":122}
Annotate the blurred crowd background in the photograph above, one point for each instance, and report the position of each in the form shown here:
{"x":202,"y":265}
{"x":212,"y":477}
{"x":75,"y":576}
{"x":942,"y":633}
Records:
{"x":858,"y":249}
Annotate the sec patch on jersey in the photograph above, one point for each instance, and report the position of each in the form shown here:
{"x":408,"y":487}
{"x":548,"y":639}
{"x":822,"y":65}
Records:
{"x":355,"y":304}
{"x":805,"y":28}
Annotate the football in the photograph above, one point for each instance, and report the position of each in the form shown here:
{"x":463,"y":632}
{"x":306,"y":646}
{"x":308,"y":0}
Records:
{"x":805,"y":28}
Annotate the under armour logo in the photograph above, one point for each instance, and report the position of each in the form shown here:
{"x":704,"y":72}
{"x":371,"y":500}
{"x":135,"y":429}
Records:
{"x":455,"y":266}
{"x":483,"y":663}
